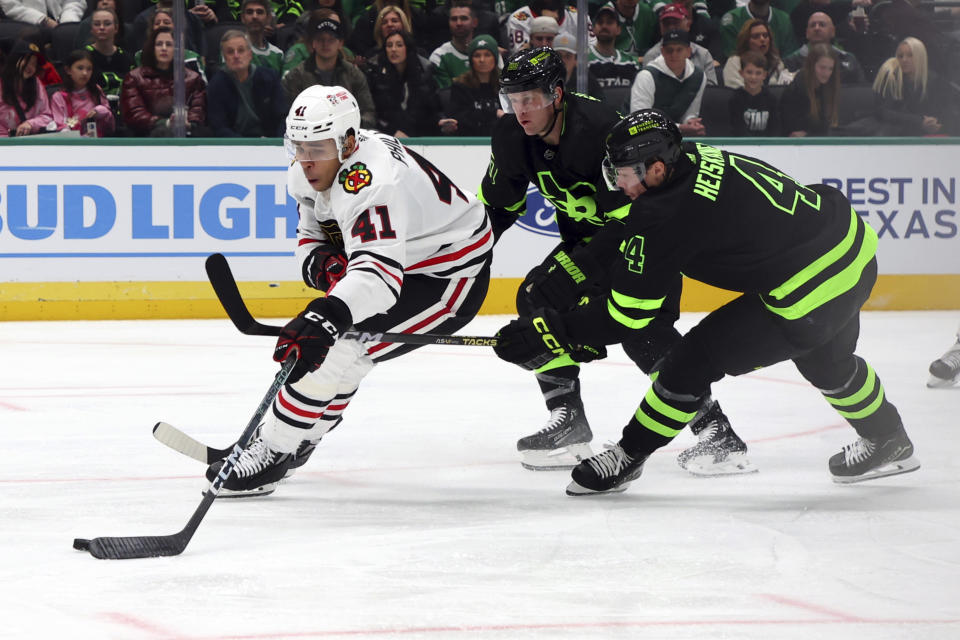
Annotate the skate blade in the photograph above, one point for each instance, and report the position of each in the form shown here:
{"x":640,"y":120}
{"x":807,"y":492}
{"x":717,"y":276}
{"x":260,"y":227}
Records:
{"x":892,"y":469}
{"x":259,"y":492}
{"x":575,"y":489}
{"x":564,"y":458}
{"x":939,"y":383}
{"x":704,"y":467}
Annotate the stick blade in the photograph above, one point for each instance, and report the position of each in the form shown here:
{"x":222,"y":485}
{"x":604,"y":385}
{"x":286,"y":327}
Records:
{"x":126,"y":548}
{"x":190,"y":447}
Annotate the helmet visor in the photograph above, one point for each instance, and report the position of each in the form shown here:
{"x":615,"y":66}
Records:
{"x":310,"y":150}
{"x":525,"y":101}
{"x":618,"y":177}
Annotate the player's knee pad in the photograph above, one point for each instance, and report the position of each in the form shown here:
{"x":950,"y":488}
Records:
{"x":324,"y":383}
{"x":687,"y":369}
{"x":648,"y":347}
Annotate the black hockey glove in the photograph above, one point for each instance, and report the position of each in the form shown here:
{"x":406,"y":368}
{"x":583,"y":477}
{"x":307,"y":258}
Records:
{"x":311,"y":334}
{"x":533,"y":342}
{"x":560,"y":282}
{"x":324,"y":267}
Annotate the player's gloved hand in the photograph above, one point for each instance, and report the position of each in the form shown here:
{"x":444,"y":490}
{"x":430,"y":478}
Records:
{"x":324,"y":267}
{"x":531,"y":342}
{"x":311,"y":334}
{"x":559,"y":283}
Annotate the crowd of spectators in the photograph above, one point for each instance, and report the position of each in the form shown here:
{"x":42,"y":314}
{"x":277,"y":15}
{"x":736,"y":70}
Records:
{"x":431,"y":67}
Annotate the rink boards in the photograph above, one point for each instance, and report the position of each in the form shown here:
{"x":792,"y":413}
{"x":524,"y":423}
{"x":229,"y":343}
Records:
{"x":119,"y":229}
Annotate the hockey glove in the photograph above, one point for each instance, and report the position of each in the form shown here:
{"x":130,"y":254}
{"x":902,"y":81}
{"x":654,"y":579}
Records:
{"x":560,"y":282}
{"x":311,"y":334}
{"x":533,"y":342}
{"x":324,"y":267}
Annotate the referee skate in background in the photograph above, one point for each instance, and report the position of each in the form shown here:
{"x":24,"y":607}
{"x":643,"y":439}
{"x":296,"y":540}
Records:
{"x":803,"y":259}
{"x":554,"y":140}
{"x":945,"y":370}
{"x":396,"y":246}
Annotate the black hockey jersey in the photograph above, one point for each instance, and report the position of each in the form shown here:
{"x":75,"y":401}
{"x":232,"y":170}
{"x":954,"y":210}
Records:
{"x":568,"y":175}
{"x":737,"y":223}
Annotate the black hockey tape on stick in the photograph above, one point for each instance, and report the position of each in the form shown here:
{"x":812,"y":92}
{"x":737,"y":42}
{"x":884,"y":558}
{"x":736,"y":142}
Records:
{"x":225,"y":286}
{"x":128,"y":547}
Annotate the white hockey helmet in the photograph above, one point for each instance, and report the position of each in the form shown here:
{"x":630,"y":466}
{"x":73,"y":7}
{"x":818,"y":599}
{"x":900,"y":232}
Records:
{"x":321,"y":113}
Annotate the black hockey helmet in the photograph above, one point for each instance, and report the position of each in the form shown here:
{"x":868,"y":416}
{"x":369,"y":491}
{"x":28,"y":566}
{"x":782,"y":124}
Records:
{"x":638,"y":140}
{"x":540,"y":68}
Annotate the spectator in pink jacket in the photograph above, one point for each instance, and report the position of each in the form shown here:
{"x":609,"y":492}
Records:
{"x":81,"y":104}
{"x":24,"y":107}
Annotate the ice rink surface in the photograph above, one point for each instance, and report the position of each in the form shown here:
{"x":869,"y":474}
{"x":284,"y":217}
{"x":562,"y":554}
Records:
{"x":414,"y":518}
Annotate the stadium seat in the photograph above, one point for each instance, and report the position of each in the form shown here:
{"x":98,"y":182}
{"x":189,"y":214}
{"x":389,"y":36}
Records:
{"x":714,"y":111}
{"x":62,"y":41}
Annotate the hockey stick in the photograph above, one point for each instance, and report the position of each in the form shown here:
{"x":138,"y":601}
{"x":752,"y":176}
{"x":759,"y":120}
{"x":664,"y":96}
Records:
{"x":190,"y":447}
{"x":179,"y":441}
{"x":225,"y":286}
{"x":121,"y":548}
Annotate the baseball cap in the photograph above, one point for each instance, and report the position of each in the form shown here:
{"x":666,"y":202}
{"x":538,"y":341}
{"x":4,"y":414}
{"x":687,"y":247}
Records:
{"x":544,"y":24}
{"x":676,"y":11}
{"x":607,"y":8}
{"x":25,"y":48}
{"x":565,"y":42}
{"x":676,"y":36}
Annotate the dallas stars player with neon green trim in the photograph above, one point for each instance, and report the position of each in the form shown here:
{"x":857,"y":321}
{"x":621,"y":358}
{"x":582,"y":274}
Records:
{"x":555,"y":140}
{"x":803,"y":259}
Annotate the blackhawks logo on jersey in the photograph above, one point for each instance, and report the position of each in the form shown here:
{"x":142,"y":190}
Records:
{"x":355,"y":178}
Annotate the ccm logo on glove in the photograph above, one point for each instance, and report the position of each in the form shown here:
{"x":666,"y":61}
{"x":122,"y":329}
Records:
{"x":549,"y":340}
{"x":327,"y":326}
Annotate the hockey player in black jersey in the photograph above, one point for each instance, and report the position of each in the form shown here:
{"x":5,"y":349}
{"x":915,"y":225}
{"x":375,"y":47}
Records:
{"x":554,"y":140}
{"x":803,"y":259}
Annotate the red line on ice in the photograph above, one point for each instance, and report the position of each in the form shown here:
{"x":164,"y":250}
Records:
{"x":637,"y":624}
{"x":140,"y":624}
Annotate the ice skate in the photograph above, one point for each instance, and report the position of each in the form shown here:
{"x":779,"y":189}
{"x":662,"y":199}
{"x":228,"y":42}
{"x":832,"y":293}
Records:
{"x":258,"y":471}
{"x":562,"y":443}
{"x":610,"y":471}
{"x":719,"y":451}
{"x":945,"y":371}
{"x":867,"y":459}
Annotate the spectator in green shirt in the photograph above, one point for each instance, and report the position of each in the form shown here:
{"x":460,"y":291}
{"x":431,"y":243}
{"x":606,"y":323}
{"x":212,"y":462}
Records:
{"x":256,"y":16}
{"x":450,"y":59}
{"x":638,"y":26}
{"x":779,"y":22}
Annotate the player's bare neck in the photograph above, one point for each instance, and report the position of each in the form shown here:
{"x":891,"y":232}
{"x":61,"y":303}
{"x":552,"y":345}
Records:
{"x":552,"y":137}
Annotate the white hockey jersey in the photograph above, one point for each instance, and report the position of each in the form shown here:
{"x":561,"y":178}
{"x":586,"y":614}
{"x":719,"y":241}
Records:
{"x":394,"y":214}
{"x":518,"y":27}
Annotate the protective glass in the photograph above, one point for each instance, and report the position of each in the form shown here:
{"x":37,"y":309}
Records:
{"x":529,"y":100}
{"x":310,"y":151}
{"x":612,"y":174}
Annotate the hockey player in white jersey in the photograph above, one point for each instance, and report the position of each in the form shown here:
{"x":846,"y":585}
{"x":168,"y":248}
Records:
{"x":396,"y":246}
